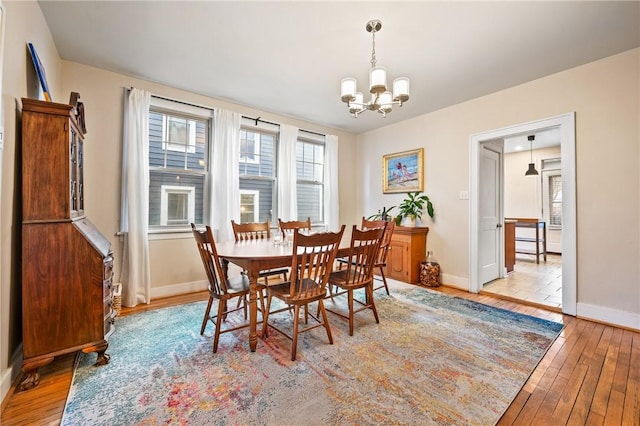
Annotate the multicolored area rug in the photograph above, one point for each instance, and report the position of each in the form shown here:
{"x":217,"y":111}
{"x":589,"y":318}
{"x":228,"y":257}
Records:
{"x":433,"y":359}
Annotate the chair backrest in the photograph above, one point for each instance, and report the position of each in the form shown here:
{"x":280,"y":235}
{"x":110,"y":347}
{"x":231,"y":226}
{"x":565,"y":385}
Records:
{"x":370,"y":224}
{"x":210,"y":260}
{"x":386,"y":237}
{"x":385,"y":243}
{"x":251,"y":231}
{"x":311,"y":267}
{"x":290,"y":226}
{"x":365,"y":246}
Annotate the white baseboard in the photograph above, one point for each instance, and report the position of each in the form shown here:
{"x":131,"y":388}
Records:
{"x":175,"y":289}
{"x":609,"y":316}
{"x":455,"y":281}
{"x":10,"y":374}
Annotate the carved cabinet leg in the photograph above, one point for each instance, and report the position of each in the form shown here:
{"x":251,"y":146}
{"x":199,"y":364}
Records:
{"x":103,"y":359}
{"x":30,"y":380}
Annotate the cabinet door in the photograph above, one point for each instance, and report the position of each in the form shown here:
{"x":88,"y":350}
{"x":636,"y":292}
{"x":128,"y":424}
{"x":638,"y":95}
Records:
{"x":397,"y":261}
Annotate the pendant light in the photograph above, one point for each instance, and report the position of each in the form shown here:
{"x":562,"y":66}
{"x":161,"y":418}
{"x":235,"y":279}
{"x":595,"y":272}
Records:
{"x":532,"y":168}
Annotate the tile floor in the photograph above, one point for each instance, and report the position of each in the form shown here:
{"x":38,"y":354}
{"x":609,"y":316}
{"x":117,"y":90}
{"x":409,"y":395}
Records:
{"x":540,"y":284}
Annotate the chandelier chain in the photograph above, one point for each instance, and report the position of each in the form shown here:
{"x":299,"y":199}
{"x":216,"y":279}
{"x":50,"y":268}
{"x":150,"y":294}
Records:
{"x":373,"y":48}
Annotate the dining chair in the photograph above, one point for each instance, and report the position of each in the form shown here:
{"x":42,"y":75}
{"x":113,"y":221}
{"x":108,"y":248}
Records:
{"x":383,"y":252}
{"x":257,"y":231}
{"x":220,"y":288}
{"x":363,"y":254}
{"x":287,"y":227}
{"x":310,"y":270}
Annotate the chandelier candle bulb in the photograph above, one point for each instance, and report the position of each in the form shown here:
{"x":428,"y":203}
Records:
{"x":401,"y":89}
{"x":378,"y":80}
{"x":348,"y":89}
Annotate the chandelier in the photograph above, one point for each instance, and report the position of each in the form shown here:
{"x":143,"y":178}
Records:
{"x":382,"y":99}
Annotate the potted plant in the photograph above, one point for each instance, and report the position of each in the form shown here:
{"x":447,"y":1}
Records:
{"x":412,"y":207}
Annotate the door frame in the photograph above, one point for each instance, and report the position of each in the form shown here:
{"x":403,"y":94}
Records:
{"x":566,"y":124}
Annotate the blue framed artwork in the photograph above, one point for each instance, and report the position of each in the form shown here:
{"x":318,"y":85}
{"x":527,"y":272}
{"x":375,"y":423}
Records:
{"x":403,"y":171}
{"x":42,"y":77}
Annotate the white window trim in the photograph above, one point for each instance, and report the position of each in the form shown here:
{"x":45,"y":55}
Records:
{"x":172,"y":189}
{"x":256,"y":199}
{"x":168,"y":146}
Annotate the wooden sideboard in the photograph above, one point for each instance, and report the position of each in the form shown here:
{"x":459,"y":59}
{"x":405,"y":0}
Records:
{"x":408,"y":248}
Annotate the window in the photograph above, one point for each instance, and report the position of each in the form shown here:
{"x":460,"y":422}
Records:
{"x":555,"y":200}
{"x":178,"y":134}
{"x":258,"y":146}
{"x":177,"y":205}
{"x":249,"y":206}
{"x":310,"y":179}
{"x":178,"y":143}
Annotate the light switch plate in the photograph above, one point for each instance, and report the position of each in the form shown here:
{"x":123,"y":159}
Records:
{"x":464,"y":195}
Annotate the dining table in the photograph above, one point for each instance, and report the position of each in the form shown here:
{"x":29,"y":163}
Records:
{"x":258,"y":255}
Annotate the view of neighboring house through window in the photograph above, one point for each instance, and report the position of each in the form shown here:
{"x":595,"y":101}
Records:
{"x":177,"y":168}
{"x":310,"y":179}
{"x":257,"y":174}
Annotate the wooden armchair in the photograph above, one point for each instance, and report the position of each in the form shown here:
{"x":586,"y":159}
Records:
{"x":220,"y":288}
{"x":363,"y":255}
{"x":310,"y":271}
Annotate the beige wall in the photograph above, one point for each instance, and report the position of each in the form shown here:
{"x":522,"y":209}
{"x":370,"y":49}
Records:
{"x":523,"y":194}
{"x":605,"y":96}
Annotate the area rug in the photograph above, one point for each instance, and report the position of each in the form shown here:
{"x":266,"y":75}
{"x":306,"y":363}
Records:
{"x":433,"y":360}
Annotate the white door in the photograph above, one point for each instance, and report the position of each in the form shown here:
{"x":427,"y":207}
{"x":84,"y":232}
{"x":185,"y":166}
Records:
{"x":490,"y":218}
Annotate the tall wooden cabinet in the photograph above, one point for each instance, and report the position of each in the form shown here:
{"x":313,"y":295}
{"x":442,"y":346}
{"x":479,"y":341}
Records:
{"x":407,"y":249}
{"x":67,"y":263}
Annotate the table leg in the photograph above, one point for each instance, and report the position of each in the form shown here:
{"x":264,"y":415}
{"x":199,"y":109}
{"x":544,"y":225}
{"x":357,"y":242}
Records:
{"x":253,"y":309}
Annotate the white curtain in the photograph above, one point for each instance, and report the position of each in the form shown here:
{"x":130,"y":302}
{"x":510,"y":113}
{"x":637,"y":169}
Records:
{"x":224,"y":158}
{"x":331,"y":193}
{"x":136,"y":271}
{"x":287,"y":191}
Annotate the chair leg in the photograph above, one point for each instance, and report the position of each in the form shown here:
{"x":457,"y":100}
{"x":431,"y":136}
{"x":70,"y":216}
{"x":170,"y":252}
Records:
{"x":384,"y":280}
{"x":350,"y":297}
{"x":325,"y":320}
{"x":265,"y":317}
{"x":221,"y":312}
{"x":372,"y":304}
{"x":206,"y":316}
{"x":294,"y":343}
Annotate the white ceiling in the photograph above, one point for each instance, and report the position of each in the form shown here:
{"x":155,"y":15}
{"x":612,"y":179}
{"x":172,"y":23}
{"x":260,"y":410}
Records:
{"x":289,"y":57}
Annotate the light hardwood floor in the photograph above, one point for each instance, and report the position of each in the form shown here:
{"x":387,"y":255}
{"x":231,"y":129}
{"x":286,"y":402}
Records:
{"x":534,"y":283}
{"x":590,"y":375}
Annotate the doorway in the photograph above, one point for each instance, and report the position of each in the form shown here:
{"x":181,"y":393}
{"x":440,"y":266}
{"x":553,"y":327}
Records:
{"x":566,"y":125}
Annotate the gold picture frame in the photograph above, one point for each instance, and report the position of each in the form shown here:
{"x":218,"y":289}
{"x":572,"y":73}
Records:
{"x":403,"y":171}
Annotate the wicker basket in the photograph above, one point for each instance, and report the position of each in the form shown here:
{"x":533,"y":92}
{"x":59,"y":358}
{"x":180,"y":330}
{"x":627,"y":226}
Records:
{"x":117,"y":298}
